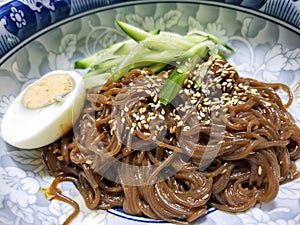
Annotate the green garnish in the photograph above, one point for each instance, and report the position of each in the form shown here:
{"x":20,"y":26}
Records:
{"x":153,"y":49}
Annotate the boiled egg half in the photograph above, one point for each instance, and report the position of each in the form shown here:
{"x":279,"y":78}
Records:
{"x":45,"y":110}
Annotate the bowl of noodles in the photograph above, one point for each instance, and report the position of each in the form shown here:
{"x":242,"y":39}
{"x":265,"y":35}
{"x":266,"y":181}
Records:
{"x":172,"y":112}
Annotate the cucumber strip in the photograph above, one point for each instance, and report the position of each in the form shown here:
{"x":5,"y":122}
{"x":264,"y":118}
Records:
{"x":135,"y":33}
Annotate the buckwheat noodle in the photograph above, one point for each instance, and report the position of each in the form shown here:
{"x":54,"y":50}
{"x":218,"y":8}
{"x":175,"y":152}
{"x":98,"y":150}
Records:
{"x":227,"y":144}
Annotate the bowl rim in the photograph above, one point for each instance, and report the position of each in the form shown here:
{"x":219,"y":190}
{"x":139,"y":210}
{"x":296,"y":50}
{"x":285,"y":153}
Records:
{"x":108,"y":5}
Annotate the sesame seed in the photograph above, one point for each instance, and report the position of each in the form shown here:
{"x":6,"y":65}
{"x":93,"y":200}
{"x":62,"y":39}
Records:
{"x":226,"y":65}
{"x":179,"y":124}
{"x":89,"y":162}
{"x":205,"y":197}
{"x":111,"y":121}
{"x":207,"y":103}
{"x":240,"y":85}
{"x":224,"y":171}
{"x":146,"y":133}
{"x":179,"y":71}
{"x":194,"y":101}
{"x":267,"y":103}
{"x":219,"y":70}
{"x":217,"y":107}
{"x":202,"y":114}
{"x":177,"y":118}
{"x":229,"y":103}
{"x":186,"y":128}
{"x":187,"y":64}
{"x":197,"y":94}
{"x":237,"y":88}
{"x":161,"y":117}
{"x":225,"y":72}
{"x":186,"y":91}
{"x":140,"y":125}
{"x":231,"y":68}
{"x":259,"y":170}
{"x":225,"y":110}
{"x":132,"y":130}
{"x":173,"y":129}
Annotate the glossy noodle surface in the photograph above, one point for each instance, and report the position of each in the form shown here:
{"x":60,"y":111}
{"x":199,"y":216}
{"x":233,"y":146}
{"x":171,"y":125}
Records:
{"x":227,"y":144}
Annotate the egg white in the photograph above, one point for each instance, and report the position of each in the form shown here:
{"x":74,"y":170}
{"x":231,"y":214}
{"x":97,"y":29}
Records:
{"x":34,"y":128}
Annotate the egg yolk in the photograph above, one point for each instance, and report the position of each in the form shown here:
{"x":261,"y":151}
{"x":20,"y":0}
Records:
{"x":47,"y":91}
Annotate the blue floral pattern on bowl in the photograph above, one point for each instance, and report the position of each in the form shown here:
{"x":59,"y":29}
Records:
{"x":37,"y":36}
{"x":20,"y":19}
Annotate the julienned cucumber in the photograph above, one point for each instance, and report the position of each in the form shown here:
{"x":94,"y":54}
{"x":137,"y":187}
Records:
{"x":152,"y":49}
